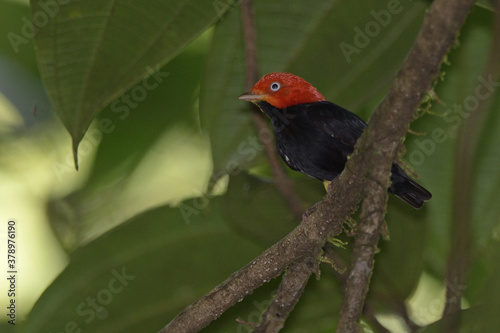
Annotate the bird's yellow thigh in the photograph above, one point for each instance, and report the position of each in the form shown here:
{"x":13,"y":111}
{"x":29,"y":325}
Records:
{"x":326,"y":183}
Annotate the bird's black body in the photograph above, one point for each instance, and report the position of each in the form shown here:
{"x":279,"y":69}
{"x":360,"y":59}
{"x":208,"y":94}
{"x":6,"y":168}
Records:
{"x":316,"y":139}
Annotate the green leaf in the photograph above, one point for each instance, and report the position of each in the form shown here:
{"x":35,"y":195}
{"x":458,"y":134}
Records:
{"x":254,"y":207}
{"x":128,"y":135}
{"x":91,"y":52}
{"x":165,"y":264}
{"x":18,"y":44}
{"x":169,"y":104}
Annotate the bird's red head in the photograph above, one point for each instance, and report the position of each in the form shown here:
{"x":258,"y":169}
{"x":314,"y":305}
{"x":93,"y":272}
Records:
{"x":282,"y":90}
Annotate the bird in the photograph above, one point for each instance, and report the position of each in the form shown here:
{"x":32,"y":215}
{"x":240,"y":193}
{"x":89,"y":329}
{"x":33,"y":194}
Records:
{"x":314,"y":136}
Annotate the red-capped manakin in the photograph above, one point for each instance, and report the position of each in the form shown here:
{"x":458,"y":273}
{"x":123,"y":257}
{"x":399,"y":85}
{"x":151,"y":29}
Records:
{"x":314,"y":136}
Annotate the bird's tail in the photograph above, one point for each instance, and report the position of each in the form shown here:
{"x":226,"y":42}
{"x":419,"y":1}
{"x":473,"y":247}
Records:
{"x":412,"y":193}
{"x":404,"y":188}
{"x":408,"y":190}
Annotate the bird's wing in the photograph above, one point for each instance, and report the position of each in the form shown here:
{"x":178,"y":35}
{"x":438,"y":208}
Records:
{"x":338,"y":122}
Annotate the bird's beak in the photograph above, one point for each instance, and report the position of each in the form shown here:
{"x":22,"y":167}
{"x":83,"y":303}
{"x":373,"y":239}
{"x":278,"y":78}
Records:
{"x":252,"y":97}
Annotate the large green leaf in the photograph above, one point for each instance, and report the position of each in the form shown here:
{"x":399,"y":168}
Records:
{"x":254,"y":207}
{"x":169,"y":265}
{"x":308,"y":39}
{"x":91,"y":52}
{"x":127,"y":134}
{"x":137,"y":127}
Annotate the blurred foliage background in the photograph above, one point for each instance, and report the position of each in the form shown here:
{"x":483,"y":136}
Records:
{"x":173,"y":192}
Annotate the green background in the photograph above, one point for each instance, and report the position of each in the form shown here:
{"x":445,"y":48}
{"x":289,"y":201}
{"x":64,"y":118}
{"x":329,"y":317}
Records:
{"x":154,"y":87}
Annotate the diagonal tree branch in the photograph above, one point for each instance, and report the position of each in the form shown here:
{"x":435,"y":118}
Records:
{"x":371,"y":160}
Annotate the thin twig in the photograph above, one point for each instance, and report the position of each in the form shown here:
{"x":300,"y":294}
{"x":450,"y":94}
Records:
{"x":422,"y":65}
{"x":289,"y":292}
{"x":281,"y":180}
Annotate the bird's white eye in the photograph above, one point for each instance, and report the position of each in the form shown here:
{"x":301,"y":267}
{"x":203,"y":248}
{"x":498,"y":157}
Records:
{"x":275,"y":86}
